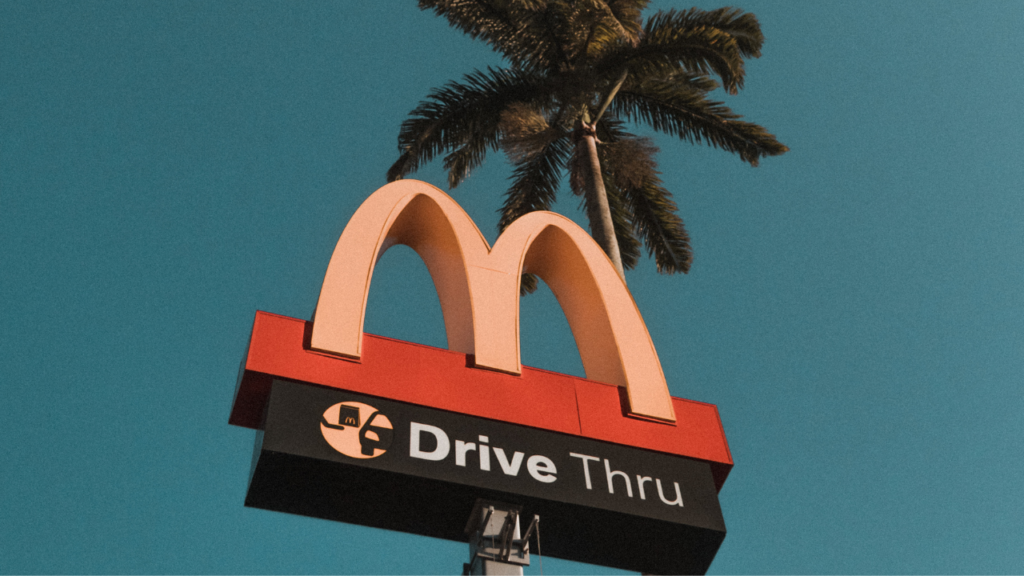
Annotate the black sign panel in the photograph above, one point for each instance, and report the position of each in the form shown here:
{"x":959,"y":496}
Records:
{"x":371,"y":461}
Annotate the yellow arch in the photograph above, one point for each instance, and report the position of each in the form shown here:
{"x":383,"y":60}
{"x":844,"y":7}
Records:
{"x":479,"y":288}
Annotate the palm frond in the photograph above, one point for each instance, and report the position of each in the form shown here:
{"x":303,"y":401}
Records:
{"x":493,"y":23}
{"x":602,"y":28}
{"x":524,"y":131}
{"x":535,"y":182}
{"x":628,"y":163}
{"x":464,"y":118}
{"x":656,"y":220}
{"x":626,"y":158}
{"x":510,"y":28}
{"x":698,"y":41}
{"x":743,"y":26}
{"x":628,"y":13}
{"x":682,"y":110}
{"x":553,"y":37}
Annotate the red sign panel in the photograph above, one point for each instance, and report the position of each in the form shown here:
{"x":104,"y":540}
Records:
{"x":445,"y":380}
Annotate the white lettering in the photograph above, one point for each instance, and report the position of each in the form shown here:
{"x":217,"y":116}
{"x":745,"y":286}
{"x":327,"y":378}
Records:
{"x":510,"y":468}
{"x":438,"y":453}
{"x":679,"y":494}
{"x":640,"y":484}
{"x":609,"y":474}
{"x":485,"y":457}
{"x":541,"y":468}
{"x":485,"y":453}
{"x":586,"y":465}
{"x":437,"y":448}
{"x":460,"y":451}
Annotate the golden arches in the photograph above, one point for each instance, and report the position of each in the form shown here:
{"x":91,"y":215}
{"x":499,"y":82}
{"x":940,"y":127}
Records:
{"x":479,"y":288}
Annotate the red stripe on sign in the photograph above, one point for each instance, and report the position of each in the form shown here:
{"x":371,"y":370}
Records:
{"x":446,"y":380}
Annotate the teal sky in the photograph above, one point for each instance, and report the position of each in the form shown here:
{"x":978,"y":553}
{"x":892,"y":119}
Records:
{"x":855,"y":308}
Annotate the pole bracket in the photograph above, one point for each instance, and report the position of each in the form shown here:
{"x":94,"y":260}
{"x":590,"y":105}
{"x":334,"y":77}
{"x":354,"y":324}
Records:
{"x":494,"y":536}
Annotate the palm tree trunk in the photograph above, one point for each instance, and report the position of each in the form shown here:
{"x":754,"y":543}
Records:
{"x":602,"y":228}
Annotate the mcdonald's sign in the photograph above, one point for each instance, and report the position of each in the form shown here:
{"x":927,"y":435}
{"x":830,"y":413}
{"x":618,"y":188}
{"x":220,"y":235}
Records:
{"x":380,"y":432}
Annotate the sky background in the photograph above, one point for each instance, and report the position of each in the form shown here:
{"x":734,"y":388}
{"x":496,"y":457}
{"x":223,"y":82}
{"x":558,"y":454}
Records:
{"x":855,"y":308}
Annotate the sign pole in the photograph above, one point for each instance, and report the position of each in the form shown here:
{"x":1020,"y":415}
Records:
{"x":494,"y":543}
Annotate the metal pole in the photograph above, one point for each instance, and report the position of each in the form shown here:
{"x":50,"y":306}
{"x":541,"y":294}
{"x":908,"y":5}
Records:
{"x":494,"y":543}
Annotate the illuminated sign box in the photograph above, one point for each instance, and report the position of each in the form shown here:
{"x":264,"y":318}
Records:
{"x":658,"y":514}
{"x":385,"y":433}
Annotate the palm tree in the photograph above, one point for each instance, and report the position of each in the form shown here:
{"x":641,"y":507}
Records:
{"x":579,"y":70}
